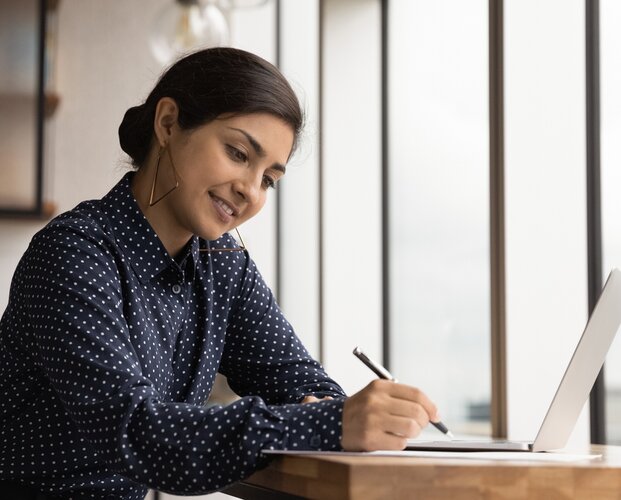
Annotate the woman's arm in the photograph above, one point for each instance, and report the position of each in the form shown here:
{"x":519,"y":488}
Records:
{"x":263,"y":356}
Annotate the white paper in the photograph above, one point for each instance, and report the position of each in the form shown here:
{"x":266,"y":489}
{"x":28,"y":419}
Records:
{"x":462,"y":455}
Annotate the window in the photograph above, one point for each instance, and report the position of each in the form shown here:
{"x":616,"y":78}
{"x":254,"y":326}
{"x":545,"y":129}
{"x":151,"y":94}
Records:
{"x":610,"y":84}
{"x":438,"y":205}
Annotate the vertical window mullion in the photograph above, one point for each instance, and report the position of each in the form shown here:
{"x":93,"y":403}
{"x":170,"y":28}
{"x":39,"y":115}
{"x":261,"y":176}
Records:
{"x":594,"y":229}
{"x":497,"y":220}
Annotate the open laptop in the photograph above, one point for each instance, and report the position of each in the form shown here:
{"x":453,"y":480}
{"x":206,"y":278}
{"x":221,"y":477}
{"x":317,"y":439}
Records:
{"x":572,"y":392}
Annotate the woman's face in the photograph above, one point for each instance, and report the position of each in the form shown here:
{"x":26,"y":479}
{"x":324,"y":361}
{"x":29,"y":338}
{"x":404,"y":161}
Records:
{"x":225,"y":170}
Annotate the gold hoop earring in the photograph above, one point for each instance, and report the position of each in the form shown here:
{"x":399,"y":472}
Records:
{"x":157,"y":169}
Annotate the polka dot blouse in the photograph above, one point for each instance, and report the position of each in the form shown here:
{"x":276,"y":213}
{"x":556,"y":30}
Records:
{"x":109,"y":349}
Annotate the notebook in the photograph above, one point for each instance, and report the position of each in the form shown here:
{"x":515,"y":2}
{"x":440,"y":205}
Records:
{"x":573,"y":391}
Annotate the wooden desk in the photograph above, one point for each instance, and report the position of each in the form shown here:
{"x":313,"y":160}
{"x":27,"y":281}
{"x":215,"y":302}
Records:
{"x":389,"y":478}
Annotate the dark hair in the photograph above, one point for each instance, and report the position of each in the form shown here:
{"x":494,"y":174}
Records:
{"x":207,"y":84}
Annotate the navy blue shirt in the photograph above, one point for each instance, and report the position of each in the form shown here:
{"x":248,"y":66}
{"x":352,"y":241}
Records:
{"x":108,"y":352}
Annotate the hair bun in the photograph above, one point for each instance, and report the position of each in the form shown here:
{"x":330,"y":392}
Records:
{"x":135,"y":134}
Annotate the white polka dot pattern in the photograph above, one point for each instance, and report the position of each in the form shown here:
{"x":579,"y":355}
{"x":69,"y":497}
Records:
{"x":109,"y":349}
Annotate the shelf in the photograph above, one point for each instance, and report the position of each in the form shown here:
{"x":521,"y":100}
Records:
{"x":15,"y":99}
{"x":51,"y":103}
{"x":51,"y":4}
{"x":48,"y":210}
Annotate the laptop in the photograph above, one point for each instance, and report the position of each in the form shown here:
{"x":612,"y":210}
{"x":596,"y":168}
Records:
{"x":573,"y":391}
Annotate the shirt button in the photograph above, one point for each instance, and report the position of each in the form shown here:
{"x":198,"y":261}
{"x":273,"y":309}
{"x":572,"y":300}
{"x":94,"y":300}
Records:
{"x":315,"y":441}
{"x":176,"y":289}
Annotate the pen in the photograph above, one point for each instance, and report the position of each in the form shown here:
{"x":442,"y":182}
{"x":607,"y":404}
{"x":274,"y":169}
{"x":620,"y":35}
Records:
{"x":382,"y":372}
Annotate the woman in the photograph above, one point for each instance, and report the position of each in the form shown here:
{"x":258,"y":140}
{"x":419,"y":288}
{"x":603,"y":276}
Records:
{"x":123,"y":310}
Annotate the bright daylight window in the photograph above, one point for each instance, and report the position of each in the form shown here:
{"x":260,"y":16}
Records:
{"x":610,"y":81}
{"x":439,"y":208}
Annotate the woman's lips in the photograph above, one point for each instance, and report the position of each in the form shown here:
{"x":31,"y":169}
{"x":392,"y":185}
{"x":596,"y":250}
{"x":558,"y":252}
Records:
{"x":223,"y":209}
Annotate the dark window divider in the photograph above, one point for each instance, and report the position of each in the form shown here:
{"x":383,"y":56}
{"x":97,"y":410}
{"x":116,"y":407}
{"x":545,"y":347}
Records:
{"x":385,"y":252}
{"x":497,"y":219}
{"x":594,"y":228}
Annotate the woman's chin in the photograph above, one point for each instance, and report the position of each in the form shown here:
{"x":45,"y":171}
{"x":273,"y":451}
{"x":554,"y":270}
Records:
{"x":209,"y":233}
{"x":212,"y":236}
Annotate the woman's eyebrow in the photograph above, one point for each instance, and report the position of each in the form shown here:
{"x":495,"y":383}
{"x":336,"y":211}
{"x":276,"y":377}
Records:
{"x":253,"y":142}
{"x":258,"y":148}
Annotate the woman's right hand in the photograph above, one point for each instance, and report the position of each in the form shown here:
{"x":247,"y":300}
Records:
{"x":383,"y":415}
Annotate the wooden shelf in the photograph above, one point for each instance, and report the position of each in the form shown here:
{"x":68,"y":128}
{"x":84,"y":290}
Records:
{"x":51,"y":4}
{"x":48,"y":210}
{"x":51,"y":103}
{"x":14,"y":99}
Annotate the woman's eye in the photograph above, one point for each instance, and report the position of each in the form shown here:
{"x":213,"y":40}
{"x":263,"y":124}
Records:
{"x":237,"y":154}
{"x":268,"y":182}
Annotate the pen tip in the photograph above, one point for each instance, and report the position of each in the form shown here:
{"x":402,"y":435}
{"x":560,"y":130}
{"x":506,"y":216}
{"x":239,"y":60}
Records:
{"x":450,"y":435}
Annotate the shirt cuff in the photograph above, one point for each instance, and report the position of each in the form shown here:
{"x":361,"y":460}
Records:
{"x":312,"y":426}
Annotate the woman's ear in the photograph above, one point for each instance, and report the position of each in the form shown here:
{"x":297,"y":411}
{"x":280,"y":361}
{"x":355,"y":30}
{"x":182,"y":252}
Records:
{"x":166,"y":116}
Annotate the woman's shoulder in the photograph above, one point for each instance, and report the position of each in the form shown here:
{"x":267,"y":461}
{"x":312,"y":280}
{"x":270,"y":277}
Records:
{"x":71,"y":241}
{"x":84,"y":223}
{"x":91,"y":218}
{"x":88,"y":215}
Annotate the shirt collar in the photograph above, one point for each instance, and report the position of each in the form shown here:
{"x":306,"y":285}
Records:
{"x":135,"y":236}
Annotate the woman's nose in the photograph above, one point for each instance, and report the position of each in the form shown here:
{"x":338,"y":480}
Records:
{"x":248,"y":188}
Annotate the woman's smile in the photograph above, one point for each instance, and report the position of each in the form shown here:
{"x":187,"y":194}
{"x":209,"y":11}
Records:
{"x":224,"y":210}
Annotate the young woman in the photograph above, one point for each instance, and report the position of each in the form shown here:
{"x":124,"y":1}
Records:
{"x":123,"y":310}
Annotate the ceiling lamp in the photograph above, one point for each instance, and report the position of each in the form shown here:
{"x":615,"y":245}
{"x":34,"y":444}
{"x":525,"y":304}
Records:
{"x":187,"y":25}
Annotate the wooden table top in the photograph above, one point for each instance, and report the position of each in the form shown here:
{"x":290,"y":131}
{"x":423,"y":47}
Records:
{"x":373,"y":477}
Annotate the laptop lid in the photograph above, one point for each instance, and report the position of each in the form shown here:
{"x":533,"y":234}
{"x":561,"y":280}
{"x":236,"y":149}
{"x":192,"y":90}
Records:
{"x":575,"y":386}
{"x":584,"y":366}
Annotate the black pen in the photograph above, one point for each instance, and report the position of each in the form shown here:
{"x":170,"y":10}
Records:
{"x":382,"y":372}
